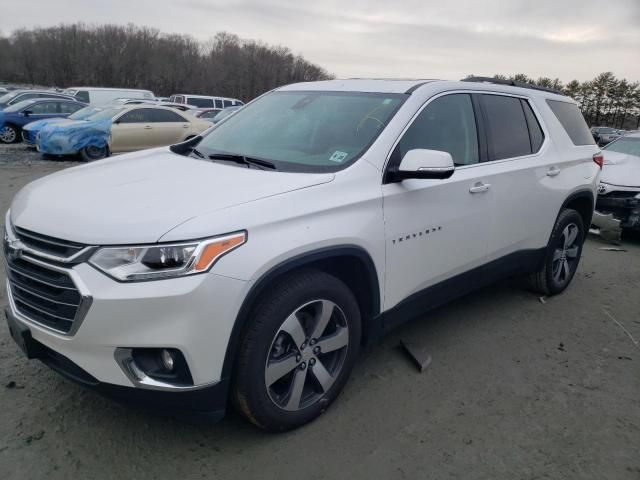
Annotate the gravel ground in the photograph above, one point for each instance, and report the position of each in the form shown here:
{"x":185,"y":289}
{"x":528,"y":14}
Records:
{"x":518,"y":388}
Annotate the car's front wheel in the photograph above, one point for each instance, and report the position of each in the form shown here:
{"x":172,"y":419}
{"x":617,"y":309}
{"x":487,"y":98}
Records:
{"x":562,"y":255}
{"x":91,"y":153}
{"x":298,"y":350}
{"x":8,"y":134}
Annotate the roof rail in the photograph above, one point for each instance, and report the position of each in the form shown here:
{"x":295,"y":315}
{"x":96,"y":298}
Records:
{"x":513,"y":83}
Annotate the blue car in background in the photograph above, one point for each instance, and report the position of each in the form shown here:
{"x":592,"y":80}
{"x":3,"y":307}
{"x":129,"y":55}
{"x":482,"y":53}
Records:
{"x":31,"y":130}
{"x":16,"y":116}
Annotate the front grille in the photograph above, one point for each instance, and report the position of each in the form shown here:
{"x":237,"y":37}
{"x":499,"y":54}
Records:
{"x":621,"y":194}
{"x":49,"y":245}
{"x":46,"y":296}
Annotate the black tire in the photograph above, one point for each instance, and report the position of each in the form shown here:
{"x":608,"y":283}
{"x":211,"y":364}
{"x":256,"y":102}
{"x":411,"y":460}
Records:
{"x":91,"y":153}
{"x":286,"y":298}
{"x":549,"y":280}
{"x":9,"y":134}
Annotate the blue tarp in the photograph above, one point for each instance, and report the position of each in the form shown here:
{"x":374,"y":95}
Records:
{"x":70,"y":137}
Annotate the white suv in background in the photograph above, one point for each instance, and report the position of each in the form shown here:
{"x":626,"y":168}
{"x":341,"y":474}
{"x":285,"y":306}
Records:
{"x":248,"y":266}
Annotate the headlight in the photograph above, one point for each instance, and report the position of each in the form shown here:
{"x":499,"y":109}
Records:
{"x":149,"y":262}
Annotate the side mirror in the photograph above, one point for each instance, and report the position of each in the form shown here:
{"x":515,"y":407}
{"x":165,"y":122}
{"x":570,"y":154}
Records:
{"x":26,"y":113}
{"x":422,"y":163}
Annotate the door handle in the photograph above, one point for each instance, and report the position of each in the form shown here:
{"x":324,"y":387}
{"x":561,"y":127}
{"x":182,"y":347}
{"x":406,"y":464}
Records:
{"x":185,"y":126}
{"x":553,"y":171}
{"x":480,"y":187}
{"x":148,"y":127}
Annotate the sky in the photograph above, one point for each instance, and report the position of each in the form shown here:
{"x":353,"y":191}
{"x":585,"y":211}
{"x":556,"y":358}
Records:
{"x":568,"y":39}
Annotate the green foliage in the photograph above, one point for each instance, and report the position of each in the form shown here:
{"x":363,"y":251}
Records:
{"x":604,"y":101}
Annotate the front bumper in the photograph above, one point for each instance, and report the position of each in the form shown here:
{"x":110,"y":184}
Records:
{"x":209,"y":401}
{"x":621,"y":206}
{"x":193,"y":314}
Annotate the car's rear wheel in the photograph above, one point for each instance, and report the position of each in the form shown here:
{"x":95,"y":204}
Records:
{"x":91,"y":153}
{"x":562,"y":255}
{"x":297,"y":352}
{"x":8,"y":134}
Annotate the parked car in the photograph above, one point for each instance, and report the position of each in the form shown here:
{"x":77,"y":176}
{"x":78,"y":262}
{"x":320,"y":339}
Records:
{"x":226,"y":113}
{"x":618,"y":204}
{"x":16,"y":116}
{"x":3,"y":90}
{"x":30,"y":130}
{"x":208,"y":113}
{"x":604,"y":135}
{"x":203,"y":101}
{"x":119,"y":129}
{"x":179,"y":106}
{"x":98,"y":96}
{"x":249,"y":264}
{"x":16,"y":96}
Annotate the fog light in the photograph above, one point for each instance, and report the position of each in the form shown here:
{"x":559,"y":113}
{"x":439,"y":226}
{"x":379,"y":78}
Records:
{"x":167,"y":360}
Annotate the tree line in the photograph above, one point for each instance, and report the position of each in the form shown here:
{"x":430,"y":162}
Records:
{"x":604,"y":101}
{"x":142,"y":57}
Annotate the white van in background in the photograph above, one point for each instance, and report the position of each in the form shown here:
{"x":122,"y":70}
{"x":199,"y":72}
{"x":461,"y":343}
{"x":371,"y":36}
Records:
{"x":101,"y":96}
{"x":203,"y":101}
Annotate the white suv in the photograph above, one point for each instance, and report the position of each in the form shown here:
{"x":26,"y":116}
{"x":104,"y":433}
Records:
{"x":249,"y":265}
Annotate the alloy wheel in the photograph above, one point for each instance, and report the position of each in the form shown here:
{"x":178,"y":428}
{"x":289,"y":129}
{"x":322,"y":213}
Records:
{"x":7,"y":134}
{"x":565,"y":256}
{"x":306,"y":355}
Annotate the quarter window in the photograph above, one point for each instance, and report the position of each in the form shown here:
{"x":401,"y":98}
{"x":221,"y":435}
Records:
{"x":447,"y":124}
{"x":167,"y":116}
{"x":507,"y":132}
{"x":227,"y":103}
{"x":572,"y":121}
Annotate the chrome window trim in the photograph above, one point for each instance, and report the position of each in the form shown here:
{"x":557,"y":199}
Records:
{"x":534,"y":108}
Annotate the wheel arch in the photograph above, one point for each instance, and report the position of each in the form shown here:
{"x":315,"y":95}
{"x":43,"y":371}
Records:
{"x":349,"y":263}
{"x":582,"y":201}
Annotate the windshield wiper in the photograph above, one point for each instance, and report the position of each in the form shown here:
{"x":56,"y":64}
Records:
{"x":243,"y":160}
{"x":197,"y":152}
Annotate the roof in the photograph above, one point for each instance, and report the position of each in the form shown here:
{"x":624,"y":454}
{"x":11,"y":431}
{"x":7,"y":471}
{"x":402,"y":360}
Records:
{"x":409,"y":86}
{"x":358,"y":85}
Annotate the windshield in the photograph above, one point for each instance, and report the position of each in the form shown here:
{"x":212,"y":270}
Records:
{"x":107,"y":113}
{"x":84,"y":113}
{"x":16,"y":107}
{"x":304,"y":131}
{"x":628,"y":145}
{"x":7,"y":97}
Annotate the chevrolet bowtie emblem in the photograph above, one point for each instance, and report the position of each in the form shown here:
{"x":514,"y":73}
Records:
{"x":14,"y":248}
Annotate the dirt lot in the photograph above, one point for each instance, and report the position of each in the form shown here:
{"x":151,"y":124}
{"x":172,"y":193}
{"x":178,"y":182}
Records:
{"x":518,"y":389}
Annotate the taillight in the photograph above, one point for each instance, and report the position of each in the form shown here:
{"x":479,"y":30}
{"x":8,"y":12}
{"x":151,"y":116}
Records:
{"x":599,"y":159}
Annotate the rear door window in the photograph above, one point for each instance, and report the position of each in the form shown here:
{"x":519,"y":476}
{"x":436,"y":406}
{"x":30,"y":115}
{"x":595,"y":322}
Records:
{"x":167,"y":116}
{"x":219,"y":103}
{"x":572,"y":121}
{"x":69,"y":107}
{"x":140,"y":115}
{"x":507,"y":132}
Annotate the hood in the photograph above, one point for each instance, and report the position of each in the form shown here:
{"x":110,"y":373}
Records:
{"x":38,"y":124}
{"x":136,"y":198}
{"x":620,"y":169}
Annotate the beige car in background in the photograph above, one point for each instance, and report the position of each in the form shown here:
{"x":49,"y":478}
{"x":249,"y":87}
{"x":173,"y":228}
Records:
{"x":142,"y":126}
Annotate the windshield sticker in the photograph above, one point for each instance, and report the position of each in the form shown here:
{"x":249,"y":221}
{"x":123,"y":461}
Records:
{"x":338,"y":156}
{"x":386,"y":101}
